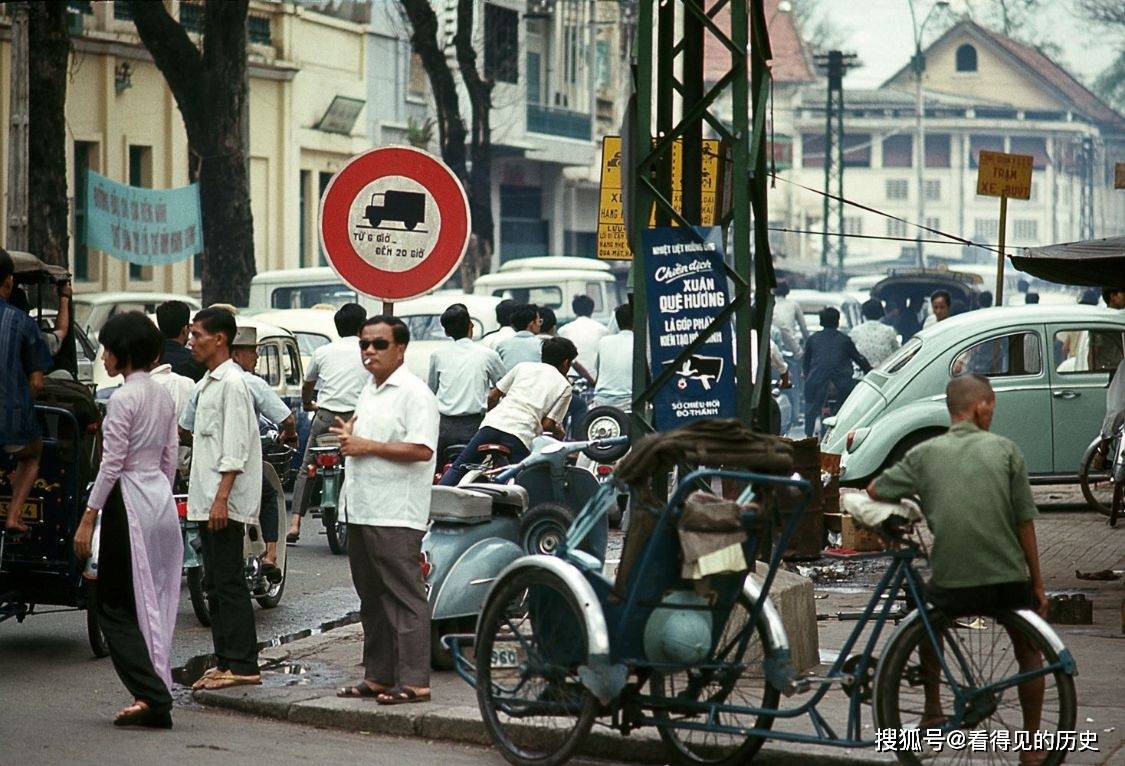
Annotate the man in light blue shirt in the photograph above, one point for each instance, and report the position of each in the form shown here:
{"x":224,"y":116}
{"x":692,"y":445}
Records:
{"x":525,"y":345}
{"x":461,"y":375}
{"x":614,"y":386}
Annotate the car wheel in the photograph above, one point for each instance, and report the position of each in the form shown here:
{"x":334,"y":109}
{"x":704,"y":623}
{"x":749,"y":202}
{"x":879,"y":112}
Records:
{"x":907,"y":444}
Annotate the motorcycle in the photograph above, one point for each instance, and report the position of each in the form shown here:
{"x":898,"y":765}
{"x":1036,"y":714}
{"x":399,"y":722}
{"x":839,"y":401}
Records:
{"x":265,"y":588}
{"x":496,"y":515}
{"x":326,"y":472}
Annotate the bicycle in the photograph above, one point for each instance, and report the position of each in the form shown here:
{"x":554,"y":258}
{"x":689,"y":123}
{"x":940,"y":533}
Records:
{"x":1103,"y":486}
{"x":559,"y":647}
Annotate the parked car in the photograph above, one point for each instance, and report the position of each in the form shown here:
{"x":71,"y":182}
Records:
{"x":553,"y":282}
{"x":917,"y":285}
{"x":423,"y":317}
{"x":1049,"y":366}
{"x":92,"y":310}
{"x":311,"y":327}
{"x":303,"y":289}
{"x":813,"y":301}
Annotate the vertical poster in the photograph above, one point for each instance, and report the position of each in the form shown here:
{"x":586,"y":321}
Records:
{"x":687,"y":290}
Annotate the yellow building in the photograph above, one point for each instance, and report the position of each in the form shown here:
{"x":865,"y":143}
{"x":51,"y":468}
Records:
{"x":307,"y":94}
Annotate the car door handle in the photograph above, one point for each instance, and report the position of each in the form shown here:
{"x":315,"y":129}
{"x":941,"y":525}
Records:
{"x":1066,"y":395}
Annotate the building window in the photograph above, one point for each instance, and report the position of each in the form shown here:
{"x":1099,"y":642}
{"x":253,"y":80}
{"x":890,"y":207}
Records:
{"x":938,"y":153}
{"x":534,"y":86}
{"x":812,"y":150}
{"x":898,"y":188}
{"x":986,"y":143}
{"x":1026,"y":231}
{"x":853,"y":224}
{"x":857,"y":150}
{"x":966,"y":58}
{"x":191,"y":16}
{"x":258,"y":29}
{"x":1036,"y":147}
{"x":322,"y":259}
{"x":896,"y":228}
{"x":502,"y":44}
{"x":933,"y":222}
{"x":302,"y":215}
{"x":898,"y":151}
{"x":933,"y":190}
{"x":122,"y":11}
{"x":84,"y":152}
{"x":416,"y":78}
{"x":140,"y":174}
{"x":986,"y":230}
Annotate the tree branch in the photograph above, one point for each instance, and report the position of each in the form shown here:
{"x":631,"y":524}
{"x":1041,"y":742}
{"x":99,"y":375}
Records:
{"x":175,"y":56}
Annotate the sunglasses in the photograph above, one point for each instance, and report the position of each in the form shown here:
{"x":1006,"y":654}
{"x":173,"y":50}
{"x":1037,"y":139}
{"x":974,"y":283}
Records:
{"x":380,"y":344}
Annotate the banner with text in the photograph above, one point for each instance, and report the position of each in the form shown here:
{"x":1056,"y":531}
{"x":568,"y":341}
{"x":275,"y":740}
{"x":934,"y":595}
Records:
{"x":149,"y":227}
{"x":687,"y":289}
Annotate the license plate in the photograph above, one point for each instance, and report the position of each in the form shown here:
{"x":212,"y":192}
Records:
{"x":32,"y":508}
{"x":505,"y":658}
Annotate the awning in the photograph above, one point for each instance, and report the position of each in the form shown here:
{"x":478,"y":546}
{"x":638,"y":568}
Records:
{"x":1094,"y":263}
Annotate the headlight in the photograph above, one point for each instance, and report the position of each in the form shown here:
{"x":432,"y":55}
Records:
{"x":855,"y":438}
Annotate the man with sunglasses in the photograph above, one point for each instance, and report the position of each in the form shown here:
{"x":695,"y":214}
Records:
{"x":389,"y":444}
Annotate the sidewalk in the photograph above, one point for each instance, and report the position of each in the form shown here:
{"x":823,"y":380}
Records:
{"x":306,"y":673}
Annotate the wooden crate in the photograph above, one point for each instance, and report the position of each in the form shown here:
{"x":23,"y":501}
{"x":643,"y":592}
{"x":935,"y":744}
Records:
{"x":858,"y":538}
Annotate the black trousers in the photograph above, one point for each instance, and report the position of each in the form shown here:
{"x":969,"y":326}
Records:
{"x":455,"y":429}
{"x":267,"y":516}
{"x":117,"y":610}
{"x":232,"y":615}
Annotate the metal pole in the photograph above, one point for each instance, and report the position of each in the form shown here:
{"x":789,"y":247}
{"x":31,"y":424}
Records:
{"x":920,"y":152}
{"x":16,"y":238}
{"x":1001,"y":258}
{"x":825,"y":245}
{"x":642,"y":204}
{"x":841,"y":246}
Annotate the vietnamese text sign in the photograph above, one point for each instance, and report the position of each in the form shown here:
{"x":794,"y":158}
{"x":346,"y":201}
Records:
{"x":613,"y":243}
{"x":687,"y":289}
{"x":1004,"y":175}
{"x":150,"y":227}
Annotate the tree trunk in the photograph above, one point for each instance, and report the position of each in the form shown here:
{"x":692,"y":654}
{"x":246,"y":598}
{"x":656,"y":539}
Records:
{"x":210,"y":89}
{"x":47,"y":203}
{"x":478,"y":259}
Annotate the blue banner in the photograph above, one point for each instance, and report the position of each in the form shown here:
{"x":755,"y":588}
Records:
{"x":687,"y":289}
{"x":149,"y":227}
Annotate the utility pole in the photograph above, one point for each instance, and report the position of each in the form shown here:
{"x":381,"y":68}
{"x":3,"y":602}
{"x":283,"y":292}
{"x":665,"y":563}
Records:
{"x":918,"y":63}
{"x":1086,"y":165}
{"x":16,"y":238}
{"x":835,"y":64}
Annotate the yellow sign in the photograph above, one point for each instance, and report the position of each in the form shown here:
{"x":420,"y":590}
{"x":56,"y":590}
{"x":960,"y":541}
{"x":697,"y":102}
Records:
{"x":1004,"y":175}
{"x":32,"y":508}
{"x":1119,"y":175}
{"x":613,"y":242}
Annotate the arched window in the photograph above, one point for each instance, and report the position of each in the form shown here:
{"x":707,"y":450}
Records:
{"x":966,"y":58}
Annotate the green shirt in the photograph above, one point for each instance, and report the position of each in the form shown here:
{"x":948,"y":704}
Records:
{"x":974,"y":491}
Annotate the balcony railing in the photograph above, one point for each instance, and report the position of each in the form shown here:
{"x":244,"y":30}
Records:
{"x":558,"y":122}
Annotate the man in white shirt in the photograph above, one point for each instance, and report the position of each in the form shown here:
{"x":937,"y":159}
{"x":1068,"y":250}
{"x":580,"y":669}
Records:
{"x":504,"y":319}
{"x":179,"y":387}
{"x":790,"y":320}
{"x":615,"y":363}
{"x":461,"y":375}
{"x":873,"y":338}
{"x":389,"y":445}
{"x":531,"y":399}
{"x":584,"y":332}
{"x":336,"y":369}
{"x":525,"y":345}
{"x":224,"y":491}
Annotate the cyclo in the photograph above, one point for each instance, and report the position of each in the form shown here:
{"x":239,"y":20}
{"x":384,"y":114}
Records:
{"x":705,"y":661}
{"x":39,"y":568}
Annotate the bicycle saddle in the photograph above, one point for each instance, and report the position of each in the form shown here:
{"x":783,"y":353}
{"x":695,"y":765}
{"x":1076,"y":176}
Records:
{"x":485,"y":448}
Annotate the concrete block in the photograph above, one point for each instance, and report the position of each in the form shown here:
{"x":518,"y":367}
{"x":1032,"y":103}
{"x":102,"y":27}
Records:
{"x":457,"y":723}
{"x":255,"y":700}
{"x":793,"y":597}
{"x":358,"y":715}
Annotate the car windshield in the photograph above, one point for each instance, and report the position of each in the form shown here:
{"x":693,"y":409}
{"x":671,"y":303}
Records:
{"x":309,"y":342}
{"x":900,"y":358}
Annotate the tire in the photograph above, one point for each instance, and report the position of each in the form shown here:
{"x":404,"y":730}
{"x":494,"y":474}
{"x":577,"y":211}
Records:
{"x":543,"y":527}
{"x":540,"y":620}
{"x":901,"y":674}
{"x":604,"y":423}
{"x":198,"y":597}
{"x":1118,"y":509}
{"x":441,"y":658}
{"x":337,"y":532}
{"x":701,"y":748}
{"x":273,"y":595}
{"x":1097,"y":487}
{"x":98,"y":643}
{"x":907,"y":444}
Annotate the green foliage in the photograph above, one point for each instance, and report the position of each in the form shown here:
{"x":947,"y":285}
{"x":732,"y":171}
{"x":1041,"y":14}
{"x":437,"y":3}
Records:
{"x":1110,"y":85}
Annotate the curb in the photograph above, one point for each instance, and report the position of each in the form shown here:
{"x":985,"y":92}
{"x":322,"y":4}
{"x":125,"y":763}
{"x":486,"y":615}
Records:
{"x":462,"y":724}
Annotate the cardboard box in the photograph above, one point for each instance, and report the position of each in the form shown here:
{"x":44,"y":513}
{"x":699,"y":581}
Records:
{"x":858,"y":538}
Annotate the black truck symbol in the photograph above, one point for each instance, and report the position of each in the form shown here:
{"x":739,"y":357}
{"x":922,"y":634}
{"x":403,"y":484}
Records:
{"x":408,"y":208}
{"x":705,"y":369}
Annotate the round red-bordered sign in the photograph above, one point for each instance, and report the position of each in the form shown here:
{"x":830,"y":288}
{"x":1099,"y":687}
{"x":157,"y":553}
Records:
{"x":394,"y":223}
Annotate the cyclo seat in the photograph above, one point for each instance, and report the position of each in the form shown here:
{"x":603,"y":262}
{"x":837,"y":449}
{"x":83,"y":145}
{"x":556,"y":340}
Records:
{"x":499,"y":448}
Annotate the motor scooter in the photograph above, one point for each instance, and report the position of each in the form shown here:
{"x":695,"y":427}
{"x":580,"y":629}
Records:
{"x":326,"y":474}
{"x":266,"y":590}
{"x":495,"y":516}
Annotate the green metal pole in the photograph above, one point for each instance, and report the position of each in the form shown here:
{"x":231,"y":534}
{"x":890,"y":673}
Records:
{"x":642,"y":203}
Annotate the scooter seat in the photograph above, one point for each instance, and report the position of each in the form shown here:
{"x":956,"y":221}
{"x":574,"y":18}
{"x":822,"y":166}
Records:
{"x":510,"y":498}
{"x":459,"y":506}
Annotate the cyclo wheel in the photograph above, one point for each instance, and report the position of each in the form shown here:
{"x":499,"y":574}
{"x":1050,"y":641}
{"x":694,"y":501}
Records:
{"x":1097,"y":486}
{"x":742,"y":685}
{"x":94,"y":633}
{"x":531,"y":641}
{"x":273,"y":596}
{"x":1118,"y":503}
{"x":979,"y":651}
{"x":337,"y":532}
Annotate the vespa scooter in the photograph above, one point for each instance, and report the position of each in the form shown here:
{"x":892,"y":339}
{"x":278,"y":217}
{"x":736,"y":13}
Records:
{"x":327,"y":473}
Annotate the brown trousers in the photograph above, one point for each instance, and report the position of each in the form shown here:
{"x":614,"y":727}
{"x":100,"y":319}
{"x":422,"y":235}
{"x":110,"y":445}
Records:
{"x":392,"y":604}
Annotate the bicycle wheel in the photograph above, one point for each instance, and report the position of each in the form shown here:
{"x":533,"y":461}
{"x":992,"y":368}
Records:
{"x":531,"y":641}
{"x":978,"y":651}
{"x":1097,"y":487}
{"x":743,"y":684}
{"x":1118,"y":508}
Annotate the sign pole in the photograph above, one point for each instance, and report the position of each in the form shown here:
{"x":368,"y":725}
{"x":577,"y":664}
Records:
{"x":388,"y":309}
{"x":999,"y":301}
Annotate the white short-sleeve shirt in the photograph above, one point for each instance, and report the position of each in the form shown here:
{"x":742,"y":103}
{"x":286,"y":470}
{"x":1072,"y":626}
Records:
{"x":339,"y":368}
{"x":384,"y":493}
{"x":532,"y":391}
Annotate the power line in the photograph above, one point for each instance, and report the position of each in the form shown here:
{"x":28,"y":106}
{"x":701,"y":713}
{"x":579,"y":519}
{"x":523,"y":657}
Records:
{"x":886,"y":237}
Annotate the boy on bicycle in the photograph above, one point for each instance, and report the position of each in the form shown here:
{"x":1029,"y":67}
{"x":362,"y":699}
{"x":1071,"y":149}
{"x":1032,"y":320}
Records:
{"x":977,"y":501}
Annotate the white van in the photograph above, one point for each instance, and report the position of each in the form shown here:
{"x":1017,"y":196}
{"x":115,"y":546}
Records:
{"x":302,"y":289}
{"x":553,"y":282}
